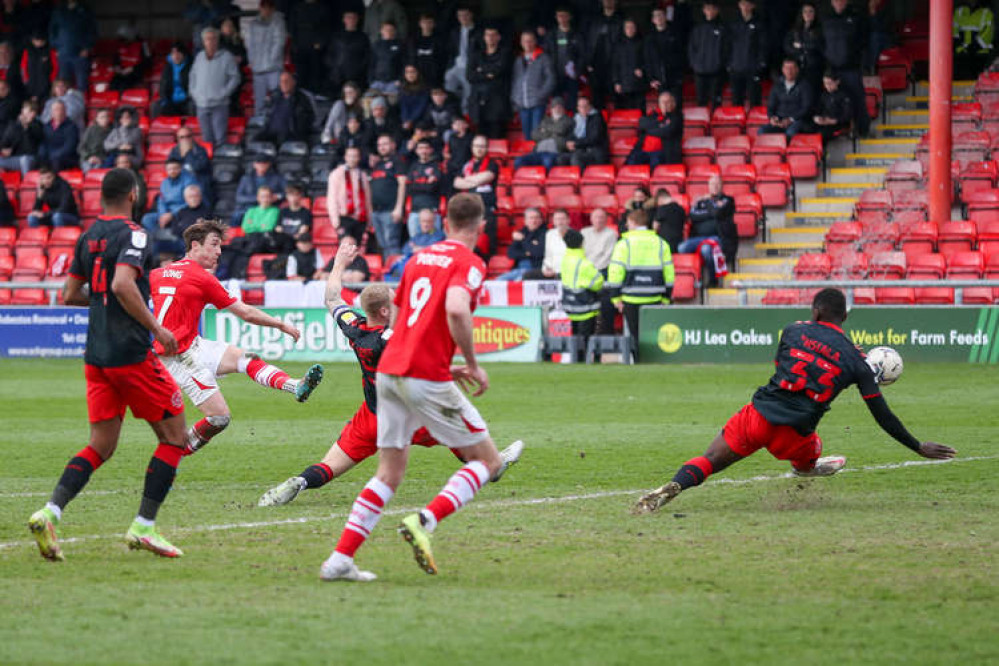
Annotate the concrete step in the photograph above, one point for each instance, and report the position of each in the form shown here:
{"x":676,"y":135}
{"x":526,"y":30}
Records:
{"x":884,"y":159}
{"x":836,"y":189}
{"x":791,"y":235}
{"x":720,"y":296}
{"x":903,"y":130}
{"x":923,"y":101}
{"x":872,"y":175}
{"x":731,"y":278}
{"x":772,"y":267}
{"x":842,"y":206}
{"x":787,"y":249}
{"x":798,"y":220}
{"x":908,"y":115}
{"x":960,"y":88}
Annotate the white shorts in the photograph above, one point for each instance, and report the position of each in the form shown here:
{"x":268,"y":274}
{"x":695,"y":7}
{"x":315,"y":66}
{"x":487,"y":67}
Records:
{"x":405,"y":404}
{"x":196,"y":369}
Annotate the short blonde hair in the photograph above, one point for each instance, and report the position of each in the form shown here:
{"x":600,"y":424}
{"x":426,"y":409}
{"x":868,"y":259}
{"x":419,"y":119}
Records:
{"x":374,"y":297}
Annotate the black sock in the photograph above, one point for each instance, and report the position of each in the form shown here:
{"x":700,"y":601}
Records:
{"x":73,"y":479}
{"x":159,"y":478}
{"x":693,"y":472}
{"x":317,"y":476}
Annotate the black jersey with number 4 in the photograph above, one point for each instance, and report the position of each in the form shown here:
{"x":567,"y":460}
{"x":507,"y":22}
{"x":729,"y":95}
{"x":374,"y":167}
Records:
{"x":815,"y":361}
{"x":368,"y":343}
{"x":114,"y":337}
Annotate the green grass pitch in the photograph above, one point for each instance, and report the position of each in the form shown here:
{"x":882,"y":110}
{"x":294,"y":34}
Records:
{"x":883,"y":564}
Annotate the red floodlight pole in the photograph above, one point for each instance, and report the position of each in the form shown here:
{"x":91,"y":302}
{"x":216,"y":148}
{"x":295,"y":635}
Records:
{"x":941,"y":76}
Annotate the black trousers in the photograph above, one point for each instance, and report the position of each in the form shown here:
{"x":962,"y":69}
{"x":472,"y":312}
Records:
{"x":631,"y":319}
{"x":743,"y":84}
{"x":709,"y":88}
{"x":852,"y":82}
{"x":584,"y":329}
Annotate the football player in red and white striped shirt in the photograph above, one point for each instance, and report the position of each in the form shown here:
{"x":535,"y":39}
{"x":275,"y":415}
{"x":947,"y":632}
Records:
{"x":180,"y":292}
{"x":418,"y":387}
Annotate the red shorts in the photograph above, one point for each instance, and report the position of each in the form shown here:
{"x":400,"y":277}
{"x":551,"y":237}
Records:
{"x":359,"y":438}
{"x":145,"y":387}
{"x":748,"y":432}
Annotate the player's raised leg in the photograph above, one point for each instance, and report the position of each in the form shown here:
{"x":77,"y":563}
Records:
{"x":217,"y":418}
{"x":76,"y":475}
{"x":265,"y":374}
{"x":692,"y":473}
{"x":333,"y":464}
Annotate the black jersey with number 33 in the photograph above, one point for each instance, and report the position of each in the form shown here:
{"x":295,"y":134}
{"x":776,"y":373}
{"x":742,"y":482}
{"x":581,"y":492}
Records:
{"x":815,"y":361}
{"x":114,"y":338}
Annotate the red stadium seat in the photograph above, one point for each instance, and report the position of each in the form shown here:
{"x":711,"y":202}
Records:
{"x":813,"y":266}
{"x":108,"y":99}
{"x":881,"y":237}
{"x":733,"y":150}
{"x":979,"y":296}
{"x":137,"y":97}
{"x":8,"y":236}
{"x":597,"y":179}
{"x":768,"y":149}
{"x":992,"y":267}
{"x":629,"y":178}
{"x":894,"y":68}
{"x":926,"y":267}
{"x":874,"y":200}
{"x":499,"y":150}
{"x":934,"y":296}
{"x":757,"y":118}
{"x":842,"y":236}
{"x":957,"y":236}
{"x":895,"y":295}
{"x":6,"y":266}
{"x":29,"y":297}
{"x":988,"y":239}
{"x":623,"y":124}
{"x":607,"y":202}
{"x":739,"y":179}
{"x":918,"y":239}
{"x":728,"y":121}
{"x":976,"y":176}
{"x":619,"y":150}
{"x":965,"y":265}
{"x":983,"y":205}
{"x":699,"y":150}
{"x":696,"y":121}
{"x":29,"y":268}
{"x":688,"y":269}
{"x":849,"y":265}
{"x":528,"y":180}
{"x":255,"y":269}
{"x":915,"y":200}
{"x":774,"y":185}
{"x":563,"y":180}
{"x":748,"y":214}
{"x":32,"y":237}
{"x":158,"y":153}
{"x":904,"y":175}
{"x":971,"y":147}
{"x":886,"y":266}
{"x":63,"y":237}
{"x":498,"y":264}
{"x":965,"y":116}
{"x":671,"y":177}
{"x":782,"y":297}
{"x":804,"y":154}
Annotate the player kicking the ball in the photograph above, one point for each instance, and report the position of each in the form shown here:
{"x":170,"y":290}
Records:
{"x":181,"y":291}
{"x":368,"y":336}
{"x":112,"y":258}
{"x":416,"y":387}
{"x":815,"y":361}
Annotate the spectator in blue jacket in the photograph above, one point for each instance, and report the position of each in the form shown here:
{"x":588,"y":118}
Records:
{"x":72,"y":33}
{"x":60,"y":139}
{"x":171,"y":198}
{"x":414,"y":98}
{"x":263,"y":175}
{"x":194,"y":158}
{"x":174,"y":99}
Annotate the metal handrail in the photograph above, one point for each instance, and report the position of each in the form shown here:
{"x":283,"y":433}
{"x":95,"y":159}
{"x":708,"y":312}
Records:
{"x":849,"y":285}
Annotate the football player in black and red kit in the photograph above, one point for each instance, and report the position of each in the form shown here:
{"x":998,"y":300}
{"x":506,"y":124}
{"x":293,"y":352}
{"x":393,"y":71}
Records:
{"x":113,"y":258}
{"x":368,"y":336}
{"x":815,"y":361}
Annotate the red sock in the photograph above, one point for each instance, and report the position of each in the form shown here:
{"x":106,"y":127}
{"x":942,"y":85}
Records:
{"x":693,"y":472}
{"x":91,"y":456}
{"x":364,"y":515}
{"x":459,"y":491}
{"x":266,"y":374}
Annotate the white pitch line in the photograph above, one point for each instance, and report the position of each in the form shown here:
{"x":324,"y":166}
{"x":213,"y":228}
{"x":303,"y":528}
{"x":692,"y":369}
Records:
{"x":509,"y":503}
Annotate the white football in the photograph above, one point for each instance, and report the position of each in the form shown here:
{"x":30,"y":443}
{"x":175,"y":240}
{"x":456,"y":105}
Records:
{"x":886,"y":364}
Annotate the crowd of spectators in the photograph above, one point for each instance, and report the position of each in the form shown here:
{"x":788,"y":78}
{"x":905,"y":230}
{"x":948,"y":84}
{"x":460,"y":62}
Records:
{"x":385,"y":111}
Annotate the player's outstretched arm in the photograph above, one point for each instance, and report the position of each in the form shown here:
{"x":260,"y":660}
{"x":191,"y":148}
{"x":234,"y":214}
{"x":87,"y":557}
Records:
{"x":458,"y":305}
{"x":73,"y":293}
{"x":127,"y":292}
{"x":345,"y":255}
{"x":893,"y":426}
{"x":252,"y":315}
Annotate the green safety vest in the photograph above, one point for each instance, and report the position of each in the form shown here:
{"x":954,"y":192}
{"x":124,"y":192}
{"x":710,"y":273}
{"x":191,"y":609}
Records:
{"x":581,"y":285}
{"x":973,"y":29}
{"x":641,"y":268}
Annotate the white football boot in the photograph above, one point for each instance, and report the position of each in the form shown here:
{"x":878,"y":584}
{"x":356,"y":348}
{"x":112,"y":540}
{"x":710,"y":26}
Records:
{"x":823,"y":467}
{"x":344,"y":570}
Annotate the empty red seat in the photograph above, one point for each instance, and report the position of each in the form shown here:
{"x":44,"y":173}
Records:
{"x":804,"y":154}
{"x":529,"y":180}
{"x":967,"y":265}
{"x":597,"y":179}
{"x":563,"y":179}
{"x":158,"y":153}
{"x":843,"y":235}
{"x":748,"y":214}
{"x":894,"y":69}
{"x":768,"y":149}
{"x":107,"y":99}
{"x":931,"y":266}
{"x":904,"y":175}
{"x":688,"y":274}
{"x":888,"y":265}
{"x":849,"y":265}
{"x":813,"y":266}
{"x":699,"y":150}
{"x":672,"y":177}
{"x":498,"y":264}
{"x":895,"y":295}
{"x":782,"y":297}
{"x":738,"y":179}
{"x":29,"y":297}
{"x":957,"y":236}
{"x":137,"y":97}
{"x":733,"y":150}
{"x":983,"y":205}
{"x":917,"y":200}
{"x":874,"y":200}
{"x":965,"y":116}
{"x":29,"y":268}
{"x":623,"y":124}
{"x":728,"y":121}
{"x":255,"y":269}
{"x":8,"y":236}
{"x":934,"y":296}
{"x":774,"y":185}
{"x":880,"y":237}
{"x":988,"y":239}
{"x":757,"y":118}
{"x":32,"y":237}
{"x":696,"y":121}
{"x":918,"y":239}
{"x":6,"y":266}
{"x":64,"y":236}
{"x":977,"y":176}
{"x":979,"y":296}
{"x":971,"y":147}
{"x":499,"y":150}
